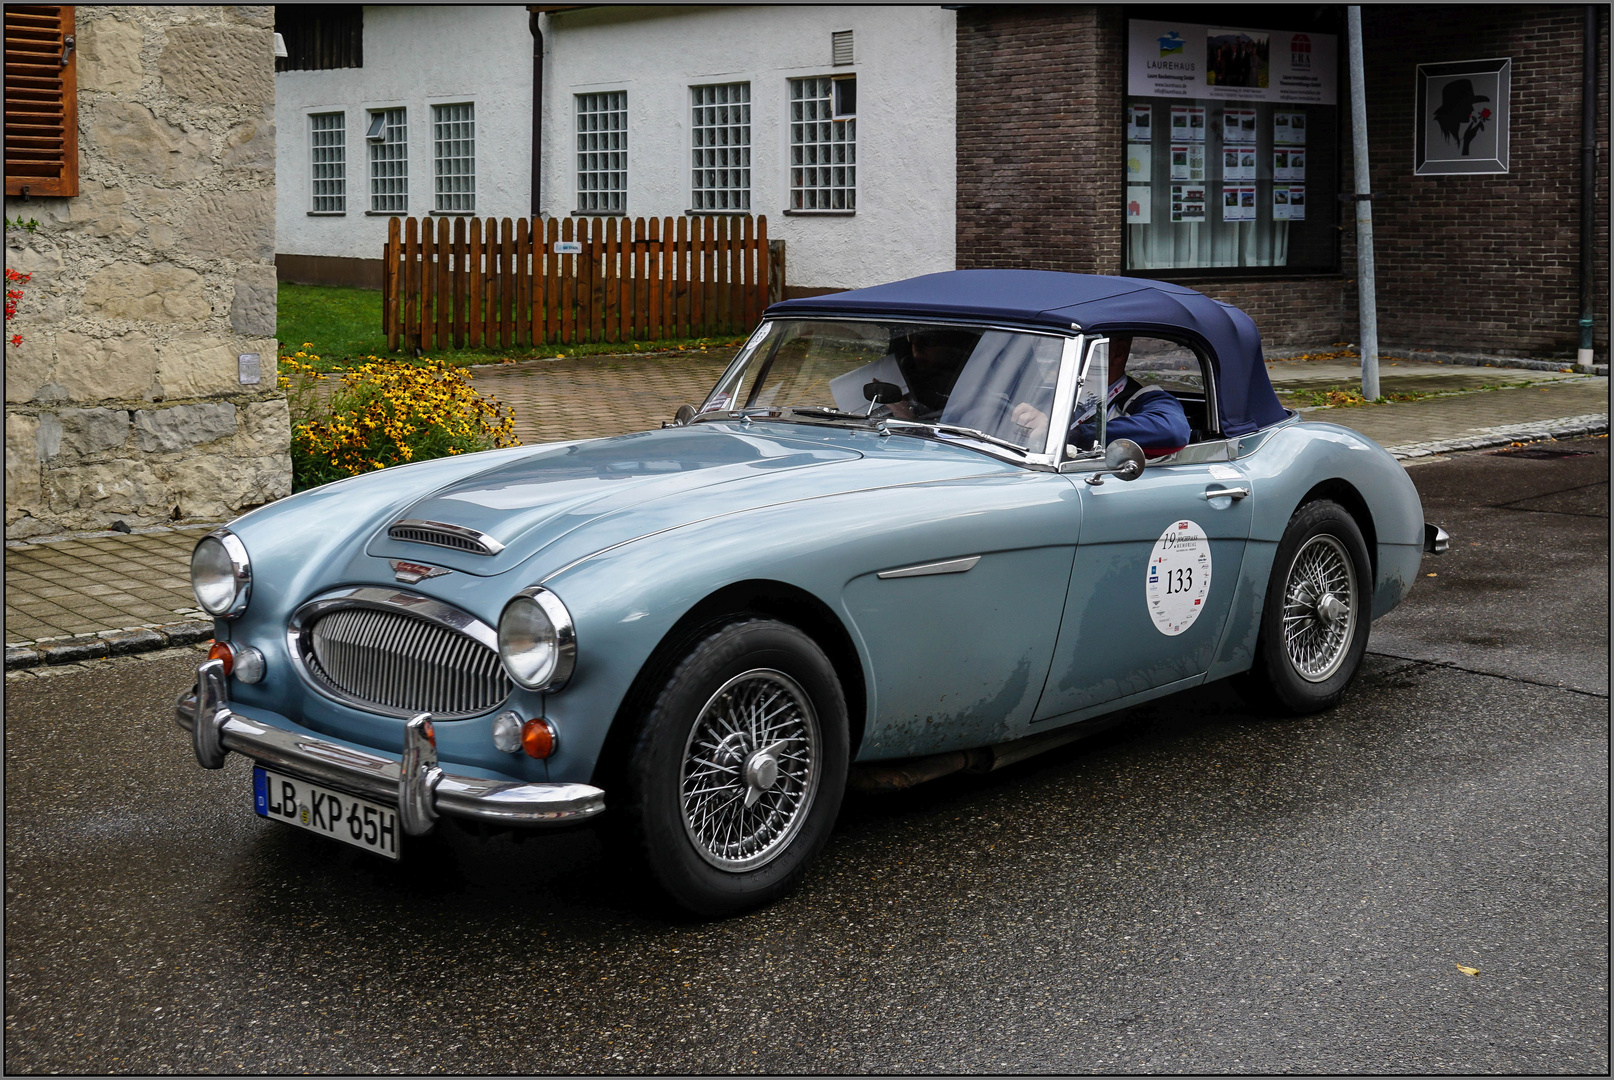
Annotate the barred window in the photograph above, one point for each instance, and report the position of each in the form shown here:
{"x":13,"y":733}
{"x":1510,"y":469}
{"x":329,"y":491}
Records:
{"x":721,"y":156}
{"x":454,"y":136}
{"x":602,"y":152}
{"x":389,"y":161}
{"x":329,"y":142}
{"x":823,"y":149}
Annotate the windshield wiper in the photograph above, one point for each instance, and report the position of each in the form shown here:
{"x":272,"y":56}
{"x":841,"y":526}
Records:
{"x":953,"y":429}
{"x":732,"y":414}
{"x":828,"y":414}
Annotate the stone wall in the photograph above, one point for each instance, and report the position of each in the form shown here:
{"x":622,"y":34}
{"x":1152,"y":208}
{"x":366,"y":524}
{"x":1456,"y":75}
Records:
{"x":125,"y":400}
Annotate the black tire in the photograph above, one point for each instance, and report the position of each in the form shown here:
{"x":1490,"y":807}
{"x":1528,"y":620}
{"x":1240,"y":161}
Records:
{"x":1309,"y":668}
{"x":705,"y":860}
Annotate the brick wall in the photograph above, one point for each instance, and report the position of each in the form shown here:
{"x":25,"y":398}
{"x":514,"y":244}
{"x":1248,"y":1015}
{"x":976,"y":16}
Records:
{"x":1039,"y":138}
{"x":1483,"y":263}
{"x":1477,"y":264}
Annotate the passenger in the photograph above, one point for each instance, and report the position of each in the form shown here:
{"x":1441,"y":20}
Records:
{"x":1148,"y":415}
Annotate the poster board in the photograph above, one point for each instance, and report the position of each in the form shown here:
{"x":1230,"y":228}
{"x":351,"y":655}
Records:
{"x":1461,"y":118}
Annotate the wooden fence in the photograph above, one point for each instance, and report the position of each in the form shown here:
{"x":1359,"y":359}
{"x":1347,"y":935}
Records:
{"x":470,"y":282}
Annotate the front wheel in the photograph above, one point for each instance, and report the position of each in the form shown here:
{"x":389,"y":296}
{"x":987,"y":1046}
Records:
{"x":1314,"y":625}
{"x":737,"y":772}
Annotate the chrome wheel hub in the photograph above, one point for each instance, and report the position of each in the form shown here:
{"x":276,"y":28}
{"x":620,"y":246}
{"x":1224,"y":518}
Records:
{"x":750,"y":770}
{"x":1320,"y":608}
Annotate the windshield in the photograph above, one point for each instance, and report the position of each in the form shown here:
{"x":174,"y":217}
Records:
{"x":951,"y":376}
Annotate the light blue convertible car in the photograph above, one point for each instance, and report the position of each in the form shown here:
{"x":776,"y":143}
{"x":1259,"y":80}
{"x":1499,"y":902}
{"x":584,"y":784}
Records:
{"x":873,"y":551}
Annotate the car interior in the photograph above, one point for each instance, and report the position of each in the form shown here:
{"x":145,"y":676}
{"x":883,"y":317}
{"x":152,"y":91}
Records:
{"x":1180,"y":370}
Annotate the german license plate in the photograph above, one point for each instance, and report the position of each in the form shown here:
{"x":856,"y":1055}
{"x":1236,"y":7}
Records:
{"x":343,"y":817}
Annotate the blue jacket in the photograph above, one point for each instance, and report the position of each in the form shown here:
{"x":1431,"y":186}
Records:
{"x":1147,"y":415}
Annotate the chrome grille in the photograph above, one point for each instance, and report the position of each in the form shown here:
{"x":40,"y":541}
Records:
{"x":403,"y":664}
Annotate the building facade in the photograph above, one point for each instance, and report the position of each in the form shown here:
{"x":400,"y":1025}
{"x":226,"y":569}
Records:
{"x":143,"y":388}
{"x":836,"y":123}
{"x":430,"y":113}
{"x":1103,"y":139}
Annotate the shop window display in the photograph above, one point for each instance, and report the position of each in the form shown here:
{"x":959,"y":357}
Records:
{"x":1234,"y":176}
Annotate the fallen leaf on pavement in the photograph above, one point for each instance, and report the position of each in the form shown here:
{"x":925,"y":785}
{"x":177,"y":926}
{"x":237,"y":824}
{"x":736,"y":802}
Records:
{"x":1467,"y":970}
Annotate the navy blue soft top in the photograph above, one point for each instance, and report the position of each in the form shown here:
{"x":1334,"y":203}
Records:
{"x":1088,"y":302}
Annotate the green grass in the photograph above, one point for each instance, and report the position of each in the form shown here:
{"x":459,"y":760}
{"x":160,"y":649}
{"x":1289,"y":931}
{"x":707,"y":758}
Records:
{"x":344,"y":325}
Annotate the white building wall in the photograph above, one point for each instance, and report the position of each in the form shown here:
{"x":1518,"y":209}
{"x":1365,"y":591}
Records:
{"x":904,"y":60}
{"x":415,"y":57}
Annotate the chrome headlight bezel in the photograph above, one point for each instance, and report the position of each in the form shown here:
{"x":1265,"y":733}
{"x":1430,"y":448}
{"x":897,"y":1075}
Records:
{"x":240,"y":574}
{"x":538,"y":605}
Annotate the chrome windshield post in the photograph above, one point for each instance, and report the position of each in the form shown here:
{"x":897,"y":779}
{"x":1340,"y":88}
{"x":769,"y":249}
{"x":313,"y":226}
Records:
{"x":1070,"y":362}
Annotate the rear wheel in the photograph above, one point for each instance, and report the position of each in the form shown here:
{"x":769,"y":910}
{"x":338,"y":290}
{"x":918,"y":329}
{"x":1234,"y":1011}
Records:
{"x":1314,"y":626}
{"x":737,"y":771}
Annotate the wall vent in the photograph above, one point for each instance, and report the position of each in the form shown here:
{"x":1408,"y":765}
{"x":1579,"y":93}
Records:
{"x":840,"y":48}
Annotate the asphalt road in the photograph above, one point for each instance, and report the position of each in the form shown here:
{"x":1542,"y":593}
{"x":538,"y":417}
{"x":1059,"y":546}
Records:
{"x":1195,"y":890}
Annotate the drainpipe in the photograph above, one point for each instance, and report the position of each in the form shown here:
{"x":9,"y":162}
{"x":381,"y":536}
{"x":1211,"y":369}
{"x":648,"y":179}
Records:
{"x":537,"y":113}
{"x":1366,"y":287}
{"x":1588,"y":183}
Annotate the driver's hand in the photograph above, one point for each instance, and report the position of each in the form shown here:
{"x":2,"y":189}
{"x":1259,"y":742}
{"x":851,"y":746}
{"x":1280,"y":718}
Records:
{"x":1034,"y":420}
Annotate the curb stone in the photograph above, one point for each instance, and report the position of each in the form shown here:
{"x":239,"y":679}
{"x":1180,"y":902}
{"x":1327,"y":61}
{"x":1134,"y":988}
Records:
{"x":1566,"y":428}
{"x":108,"y":643}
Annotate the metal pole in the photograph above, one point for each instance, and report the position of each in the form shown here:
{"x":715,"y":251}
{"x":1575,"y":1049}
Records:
{"x":1366,"y":293}
{"x":1588,"y":184}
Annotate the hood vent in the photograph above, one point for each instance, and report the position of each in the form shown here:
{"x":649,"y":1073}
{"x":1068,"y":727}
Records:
{"x":441,"y":534}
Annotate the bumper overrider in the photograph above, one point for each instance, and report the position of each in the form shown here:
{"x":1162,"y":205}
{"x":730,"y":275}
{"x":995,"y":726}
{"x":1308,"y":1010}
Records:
{"x":414,"y":781}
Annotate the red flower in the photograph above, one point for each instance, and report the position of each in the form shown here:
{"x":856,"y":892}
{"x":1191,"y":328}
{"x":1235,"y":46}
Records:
{"x":1485,"y":114}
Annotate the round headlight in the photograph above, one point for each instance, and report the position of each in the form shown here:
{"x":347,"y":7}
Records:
{"x":536,"y":640}
{"x":221,"y":574}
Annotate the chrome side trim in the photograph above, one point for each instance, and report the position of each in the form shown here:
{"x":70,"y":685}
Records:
{"x":377,"y":776}
{"x":457,"y":537}
{"x":950,"y":566}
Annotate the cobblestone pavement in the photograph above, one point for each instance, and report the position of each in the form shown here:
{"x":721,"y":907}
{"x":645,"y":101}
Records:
{"x":574,"y":399}
{"x":100,"y":594}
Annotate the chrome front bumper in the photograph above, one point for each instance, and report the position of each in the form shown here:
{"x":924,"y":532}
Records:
{"x":414,"y":782}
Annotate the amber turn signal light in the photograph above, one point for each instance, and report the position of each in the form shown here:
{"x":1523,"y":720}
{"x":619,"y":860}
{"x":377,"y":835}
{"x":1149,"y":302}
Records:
{"x":221,"y":651}
{"x":538,"y":738}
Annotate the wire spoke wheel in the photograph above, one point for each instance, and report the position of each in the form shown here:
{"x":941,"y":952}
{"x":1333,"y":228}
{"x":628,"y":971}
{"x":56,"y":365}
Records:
{"x":751,"y":769}
{"x":1319,"y":608}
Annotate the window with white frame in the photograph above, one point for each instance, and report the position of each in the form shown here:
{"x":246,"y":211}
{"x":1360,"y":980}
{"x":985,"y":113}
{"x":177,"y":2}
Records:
{"x":823,"y":144}
{"x":454,"y":149}
{"x":720,"y":125}
{"x":388,"y":137}
{"x":328,"y":139}
{"x":602,"y":152}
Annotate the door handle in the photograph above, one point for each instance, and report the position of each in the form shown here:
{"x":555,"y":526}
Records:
{"x":1226,"y":493}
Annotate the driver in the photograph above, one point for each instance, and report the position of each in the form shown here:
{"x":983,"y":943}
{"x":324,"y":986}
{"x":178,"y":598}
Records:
{"x":1148,"y":415}
{"x":931,"y":367}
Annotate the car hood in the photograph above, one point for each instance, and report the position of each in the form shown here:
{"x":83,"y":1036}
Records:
{"x":572,"y":500}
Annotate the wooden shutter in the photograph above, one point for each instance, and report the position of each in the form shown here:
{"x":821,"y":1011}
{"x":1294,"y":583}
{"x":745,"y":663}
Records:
{"x":41,"y":101}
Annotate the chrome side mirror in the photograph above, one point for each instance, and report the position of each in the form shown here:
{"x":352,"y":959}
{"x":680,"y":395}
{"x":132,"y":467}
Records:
{"x":1124,"y":458}
{"x":684,"y":415}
